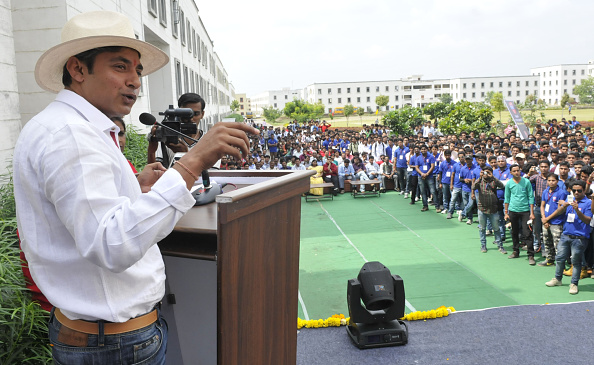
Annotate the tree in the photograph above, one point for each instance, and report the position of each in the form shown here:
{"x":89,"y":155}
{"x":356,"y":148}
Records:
{"x":234,"y":105}
{"x":360,"y":112}
{"x":382,"y":100}
{"x":531,"y":104}
{"x":564,"y":100}
{"x":496,"y":102}
{"x":446,"y":98}
{"x":403,"y":121}
{"x":303,"y":111}
{"x":585,"y":90}
{"x":348,"y":110}
{"x":271,"y":114}
{"x":467,"y":117}
{"x":436,"y":111}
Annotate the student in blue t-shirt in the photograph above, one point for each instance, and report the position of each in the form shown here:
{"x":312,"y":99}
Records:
{"x":552,"y":227}
{"x":446,"y":170}
{"x":466,"y":177}
{"x":424,"y":167}
{"x":576,"y":232}
{"x":502,"y":174}
{"x":399,"y":161}
{"x":456,"y":189}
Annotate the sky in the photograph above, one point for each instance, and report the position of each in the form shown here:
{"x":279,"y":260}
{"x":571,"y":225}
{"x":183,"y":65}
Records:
{"x":270,"y":45}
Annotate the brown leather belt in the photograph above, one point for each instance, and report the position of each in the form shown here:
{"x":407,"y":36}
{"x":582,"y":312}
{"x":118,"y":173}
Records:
{"x":109,"y":328}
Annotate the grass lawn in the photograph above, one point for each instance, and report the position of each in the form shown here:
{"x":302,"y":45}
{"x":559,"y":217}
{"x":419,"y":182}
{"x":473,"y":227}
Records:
{"x":583,"y":115}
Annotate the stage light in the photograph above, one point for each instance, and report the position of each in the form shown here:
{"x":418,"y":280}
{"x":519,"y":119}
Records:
{"x":376,"y":301}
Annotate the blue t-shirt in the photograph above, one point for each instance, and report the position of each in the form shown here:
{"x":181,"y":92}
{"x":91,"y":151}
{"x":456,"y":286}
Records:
{"x":577,"y":227}
{"x":457,"y":182}
{"x":273,"y":148}
{"x":466,"y":173}
{"x":551,"y":201}
{"x":413,"y":163}
{"x":502,"y":175}
{"x":446,"y":169}
{"x":424,"y":163}
{"x":400,"y":156}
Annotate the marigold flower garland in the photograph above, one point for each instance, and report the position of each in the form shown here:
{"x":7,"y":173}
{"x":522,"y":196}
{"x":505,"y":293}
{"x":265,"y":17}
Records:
{"x":338,"y":320}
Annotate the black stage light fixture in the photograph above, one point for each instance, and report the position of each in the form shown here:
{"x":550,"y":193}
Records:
{"x":377,"y":324}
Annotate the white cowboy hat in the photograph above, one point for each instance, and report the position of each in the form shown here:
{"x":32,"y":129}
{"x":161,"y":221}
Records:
{"x":92,"y":30}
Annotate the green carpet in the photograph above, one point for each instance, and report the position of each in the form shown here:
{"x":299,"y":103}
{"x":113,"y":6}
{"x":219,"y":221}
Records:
{"x":439,"y":260}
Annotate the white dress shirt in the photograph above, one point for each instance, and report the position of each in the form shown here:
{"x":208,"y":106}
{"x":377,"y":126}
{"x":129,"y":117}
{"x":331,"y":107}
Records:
{"x":87,"y":231}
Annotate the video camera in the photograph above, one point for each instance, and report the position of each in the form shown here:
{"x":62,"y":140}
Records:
{"x":177,"y":121}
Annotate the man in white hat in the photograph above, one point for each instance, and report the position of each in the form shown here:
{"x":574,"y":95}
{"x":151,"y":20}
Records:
{"x":88,"y":225}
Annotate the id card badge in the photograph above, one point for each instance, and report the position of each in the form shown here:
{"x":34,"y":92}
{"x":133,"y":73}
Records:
{"x":570,"y":217}
{"x":424,"y":167}
{"x":401,"y":157}
{"x":547,"y":208}
{"x":448,"y":174}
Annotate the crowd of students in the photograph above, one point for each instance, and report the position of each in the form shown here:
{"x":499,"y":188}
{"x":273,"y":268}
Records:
{"x":538,"y":190}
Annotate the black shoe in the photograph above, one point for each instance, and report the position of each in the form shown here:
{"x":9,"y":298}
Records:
{"x":411,"y":203}
{"x":546,"y":263}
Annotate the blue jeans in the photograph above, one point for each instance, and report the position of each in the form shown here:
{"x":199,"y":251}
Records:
{"x":147,"y":345}
{"x":465,"y":199}
{"x":429,"y":181}
{"x":501,"y":223}
{"x":447,"y":195}
{"x":570,"y":246}
{"x":494,"y":219}
{"x":469,"y":207}
{"x":455,"y":200}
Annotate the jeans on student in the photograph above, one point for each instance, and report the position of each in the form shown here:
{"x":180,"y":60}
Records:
{"x":429,"y":182}
{"x":494,"y":219}
{"x":519,"y":222}
{"x":470,"y":205}
{"x":501,"y":219}
{"x":438,"y":193}
{"x":447,"y":195}
{"x":146,"y":345}
{"x":465,"y":199}
{"x":408,"y":179}
{"x":341,"y":179}
{"x":413,"y":184}
{"x":537,"y":227}
{"x":570,"y":246}
{"x":455,"y":200}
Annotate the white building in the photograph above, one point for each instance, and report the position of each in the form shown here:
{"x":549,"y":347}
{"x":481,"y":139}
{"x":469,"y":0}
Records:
{"x":31,"y":27}
{"x":560,"y":79}
{"x":275,"y":98}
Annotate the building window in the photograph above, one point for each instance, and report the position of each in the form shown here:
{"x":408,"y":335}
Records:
{"x":186,"y":81}
{"x":275,"y":105}
{"x":535,"y":83}
{"x":274,"y":98}
{"x":396,"y":88}
{"x":557,"y":73}
{"x":368,"y":99}
{"x":358,"y":99}
{"x":464,"y":86}
{"x":377,"y":89}
{"x":319,"y":91}
{"x":518,"y":93}
{"x":473,"y":85}
{"x":564,"y":82}
{"x":573,"y":72}
{"x":527,"y":92}
{"x":182,"y":27}
{"x":329,"y":91}
{"x":473,"y":95}
{"x":556,"y":92}
{"x":152,"y":7}
{"x":178,"y":78}
{"x":491,"y":85}
{"x":367,"y":89}
{"x":241,"y":100}
{"x":174,"y":28}
{"x":482,"y":94}
{"x":320,"y":101}
{"x":358,"y":89}
{"x":286,"y":97}
{"x":482,"y":85}
{"x":189,"y":33}
{"x":573,"y":82}
{"x":387,"y":88}
{"x":509,"y":93}
{"x":583,"y":72}
{"x":339,"y":100}
{"x":163,"y":13}
{"x":549,"y":83}
{"x":509,"y":84}
{"x":396,"y":97}
{"x":339,"y":90}
{"x":500,"y":84}
{"x":194,"y":45}
{"x":348,"y":100}
{"x":329,"y":100}
{"x":564,"y":72}
{"x":463,"y":95}
{"x":348,"y":90}
{"x":192,"y":89}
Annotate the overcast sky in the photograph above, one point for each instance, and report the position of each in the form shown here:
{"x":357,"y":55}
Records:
{"x":268,"y":45}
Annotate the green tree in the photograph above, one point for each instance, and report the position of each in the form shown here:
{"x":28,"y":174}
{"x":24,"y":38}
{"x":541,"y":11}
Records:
{"x":446,"y":98}
{"x":303,"y":111}
{"x":564,"y":100}
{"x":496,"y":102}
{"x":360,"y":112}
{"x":382,"y":100}
{"x":234,"y":105}
{"x":271,"y":114}
{"x":403,"y":121}
{"x":436,"y":111}
{"x":535,"y":110}
{"x":585,"y":91}
{"x":348,"y":110}
{"x":467,"y":117}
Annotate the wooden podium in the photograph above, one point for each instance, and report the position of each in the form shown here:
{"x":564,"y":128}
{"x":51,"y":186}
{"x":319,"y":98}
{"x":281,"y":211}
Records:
{"x":232,"y":272}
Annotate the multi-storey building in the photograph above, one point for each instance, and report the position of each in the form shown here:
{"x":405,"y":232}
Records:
{"x":275,"y":98}
{"x":174,"y":26}
{"x":557,"y":80}
{"x":245,"y":104}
